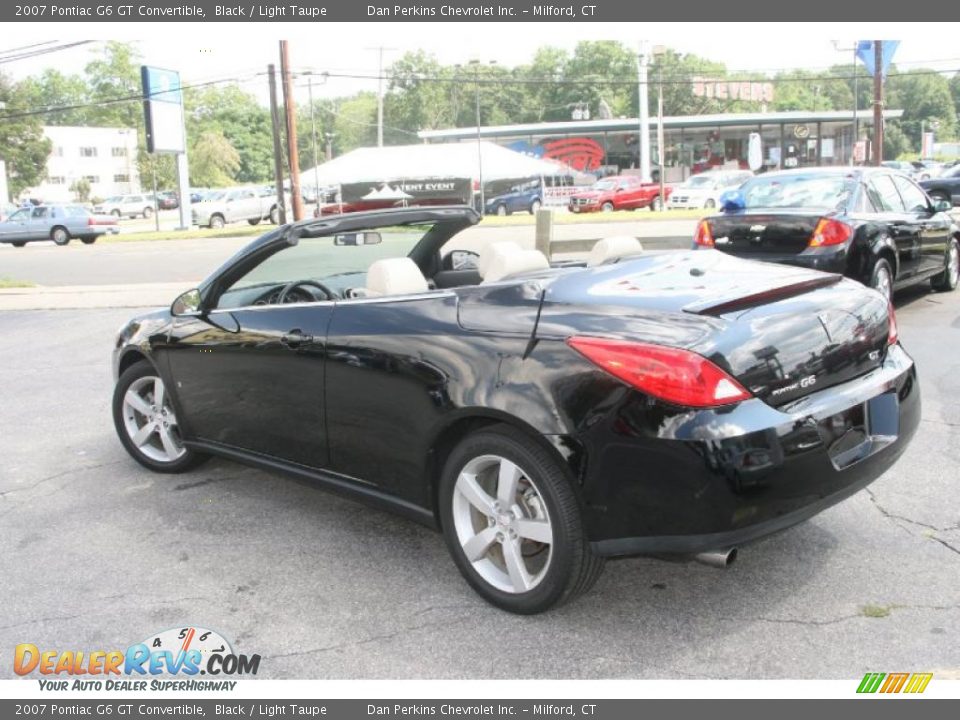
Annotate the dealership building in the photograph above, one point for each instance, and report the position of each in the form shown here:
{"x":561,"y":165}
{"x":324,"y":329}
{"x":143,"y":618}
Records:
{"x":692,"y":143}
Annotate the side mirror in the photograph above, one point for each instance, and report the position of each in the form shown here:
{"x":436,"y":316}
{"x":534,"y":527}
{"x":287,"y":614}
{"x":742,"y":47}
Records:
{"x":943,"y":206}
{"x":732,"y":201}
{"x":187,"y":305}
{"x":463,"y":260}
{"x":366,"y":237}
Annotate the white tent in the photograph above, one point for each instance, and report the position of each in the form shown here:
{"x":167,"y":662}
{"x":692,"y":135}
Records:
{"x":447,"y":160}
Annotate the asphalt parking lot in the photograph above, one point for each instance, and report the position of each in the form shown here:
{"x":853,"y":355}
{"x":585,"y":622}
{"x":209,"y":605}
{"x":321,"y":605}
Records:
{"x":100,"y":553}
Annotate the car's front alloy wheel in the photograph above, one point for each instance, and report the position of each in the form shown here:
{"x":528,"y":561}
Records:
{"x":950,"y":277}
{"x":146,"y":421}
{"x":513,"y":524}
{"x":881,"y":279}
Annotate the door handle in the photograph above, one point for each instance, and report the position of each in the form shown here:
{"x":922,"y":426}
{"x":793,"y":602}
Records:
{"x":295,"y":338}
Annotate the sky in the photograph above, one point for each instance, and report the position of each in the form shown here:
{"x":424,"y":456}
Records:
{"x":207,"y":51}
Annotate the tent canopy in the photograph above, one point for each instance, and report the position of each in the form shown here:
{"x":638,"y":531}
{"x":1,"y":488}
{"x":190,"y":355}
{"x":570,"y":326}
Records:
{"x":446,"y":160}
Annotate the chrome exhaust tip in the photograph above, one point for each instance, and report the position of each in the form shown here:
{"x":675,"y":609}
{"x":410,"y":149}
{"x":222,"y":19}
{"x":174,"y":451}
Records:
{"x":717,"y":558}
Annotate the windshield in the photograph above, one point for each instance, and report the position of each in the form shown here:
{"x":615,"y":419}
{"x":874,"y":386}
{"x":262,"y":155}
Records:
{"x":214,"y":196}
{"x":700,"y":181}
{"x":827,"y":192}
{"x":338,"y":266}
{"x":114,"y":199}
{"x":605,"y":185}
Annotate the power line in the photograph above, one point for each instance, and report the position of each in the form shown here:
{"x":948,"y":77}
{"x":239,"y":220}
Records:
{"x":43,"y":51}
{"x":26,"y":47}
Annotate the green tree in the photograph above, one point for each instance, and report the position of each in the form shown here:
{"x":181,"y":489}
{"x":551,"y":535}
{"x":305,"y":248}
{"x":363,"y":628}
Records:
{"x":53,"y":89}
{"x":214,"y":162}
{"x":925,"y":97}
{"x":23,"y":147}
{"x":81,"y":189}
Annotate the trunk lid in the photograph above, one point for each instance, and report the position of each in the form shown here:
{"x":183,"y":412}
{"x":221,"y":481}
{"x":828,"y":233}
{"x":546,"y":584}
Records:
{"x":760,"y":233}
{"x":781,"y":331}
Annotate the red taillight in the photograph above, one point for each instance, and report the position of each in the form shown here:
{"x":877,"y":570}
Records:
{"x":893,"y":334}
{"x":676,"y":376}
{"x":830,"y":232}
{"x":703,"y":237}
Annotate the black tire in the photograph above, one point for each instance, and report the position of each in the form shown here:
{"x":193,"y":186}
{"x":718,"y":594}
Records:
{"x":147,"y":213}
{"x":88,"y":240}
{"x":947,"y":280}
{"x":534,"y":206}
{"x":607,"y":207}
{"x":115,"y":213}
{"x":502,"y":210}
{"x":275,"y":215}
{"x":882,"y":268}
{"x":19,"y":243}
{"x":710,"y":204}
{"x":656,"y":205}
{"x":59,"y":235}
{"x":137,"y":371}
{"x":254,"y":221}
{"x":572,"y":569}
{"x":217,"y":221}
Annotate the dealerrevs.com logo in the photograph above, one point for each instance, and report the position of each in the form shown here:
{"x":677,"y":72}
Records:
{"x":892,"y":683}
{"x":170,"y":660}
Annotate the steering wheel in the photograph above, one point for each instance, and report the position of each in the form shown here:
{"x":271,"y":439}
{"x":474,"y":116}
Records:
{"x":290,"y":287}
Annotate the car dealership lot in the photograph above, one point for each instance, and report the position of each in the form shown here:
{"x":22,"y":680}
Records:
{"x":101,"y":553}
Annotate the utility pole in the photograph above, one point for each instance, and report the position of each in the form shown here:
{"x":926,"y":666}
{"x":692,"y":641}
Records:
{"x":277,"y":152}
{"x":877,"y":102}
{"x":643,"y":138}
{"x":381,"y":49}
{"x":290,"y":107}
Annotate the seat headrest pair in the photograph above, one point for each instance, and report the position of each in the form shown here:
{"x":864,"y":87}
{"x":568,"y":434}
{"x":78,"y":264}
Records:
{"x":500,"y":260}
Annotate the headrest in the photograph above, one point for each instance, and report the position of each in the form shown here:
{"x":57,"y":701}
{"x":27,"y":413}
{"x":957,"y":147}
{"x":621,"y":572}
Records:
{"x":492,"y":250}
{"x":506,"y":264}
{"x":611,"y":249}
{"x":395,"y":276}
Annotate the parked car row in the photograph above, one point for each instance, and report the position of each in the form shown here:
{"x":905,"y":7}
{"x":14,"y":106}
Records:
{"x":216,"y":208}
{"x":59,"y":223}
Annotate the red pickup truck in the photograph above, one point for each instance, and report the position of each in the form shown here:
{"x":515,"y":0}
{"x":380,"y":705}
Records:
{"x":622,"y":192}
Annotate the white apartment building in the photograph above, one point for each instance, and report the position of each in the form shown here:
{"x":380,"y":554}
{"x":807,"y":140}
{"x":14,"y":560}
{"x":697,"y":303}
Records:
{"x":106,"y":157}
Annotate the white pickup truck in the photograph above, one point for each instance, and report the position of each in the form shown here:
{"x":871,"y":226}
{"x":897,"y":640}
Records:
{"x":252,"y":204}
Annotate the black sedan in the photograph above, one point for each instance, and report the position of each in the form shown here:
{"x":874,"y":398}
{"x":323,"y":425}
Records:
{"x":870,"y":224}
{"x":946,"y":187}
{"x":543,"y":418}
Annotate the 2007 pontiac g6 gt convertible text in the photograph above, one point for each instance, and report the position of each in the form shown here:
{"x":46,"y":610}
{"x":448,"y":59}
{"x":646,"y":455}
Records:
{"x":543,"y":418}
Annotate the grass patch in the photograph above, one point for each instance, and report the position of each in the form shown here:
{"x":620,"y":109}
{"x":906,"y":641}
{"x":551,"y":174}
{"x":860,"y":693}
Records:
{"x":877,"y":611}
{"x":7,"y":283}
{"x":569,"y":218}
{"x":240,"y":230}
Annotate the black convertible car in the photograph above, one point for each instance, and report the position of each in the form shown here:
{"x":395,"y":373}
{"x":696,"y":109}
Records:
{"x":543,"y":418}
{"x":870,"y":224}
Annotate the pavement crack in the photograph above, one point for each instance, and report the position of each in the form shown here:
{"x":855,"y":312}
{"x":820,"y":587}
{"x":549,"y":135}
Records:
{"x":903,"y":518}
{"x":365,"y":641}
{"x":941,"y":422}
{"x":48,"y":478}
{"x":947,"y":545}
{"x":859,"y":615}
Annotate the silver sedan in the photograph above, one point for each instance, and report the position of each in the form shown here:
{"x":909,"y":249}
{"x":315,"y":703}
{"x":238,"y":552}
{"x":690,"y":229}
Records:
{"x":59,"y":223}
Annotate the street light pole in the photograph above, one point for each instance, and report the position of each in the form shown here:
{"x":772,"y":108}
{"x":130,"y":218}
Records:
{"x":643,"y":138}
{"x":476,"y":78}
{"x":877,"y":102}
{"x":658,"y":52}
{"x":313,"y":132}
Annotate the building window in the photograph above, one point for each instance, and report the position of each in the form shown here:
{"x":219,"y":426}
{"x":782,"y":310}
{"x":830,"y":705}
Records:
{"x":56,"y":180}
{"x":92,"y":178}
{"x":58,"y":151}
{"x":88,"y":152}
{"x":119,"y":152}
{"x":121,"y":178}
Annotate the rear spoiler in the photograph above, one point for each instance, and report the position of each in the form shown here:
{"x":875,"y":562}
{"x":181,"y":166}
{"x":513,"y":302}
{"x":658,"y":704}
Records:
{"x":716,"y":309}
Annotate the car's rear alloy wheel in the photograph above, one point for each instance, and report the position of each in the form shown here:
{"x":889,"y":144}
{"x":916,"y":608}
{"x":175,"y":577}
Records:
{"x":881,"y":279}
{"x":534,"y":206}
{"x":501,"y":210}
{"x":607,"y":207}
{"x":147,"y":423}
{"x":59,"y":235}
{"x":275,"y":215}
{"x":147,"y":213}
{"x":217,"y":222}
{"x":513,"y":523}
{"x":950,"y":276}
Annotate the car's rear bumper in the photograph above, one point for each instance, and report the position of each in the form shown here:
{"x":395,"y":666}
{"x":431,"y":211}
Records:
{"x":832,"y":259}
{"x":714,"y":479}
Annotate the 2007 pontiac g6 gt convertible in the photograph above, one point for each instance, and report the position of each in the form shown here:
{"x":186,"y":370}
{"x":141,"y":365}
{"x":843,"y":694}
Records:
{"x":543,"y":417}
